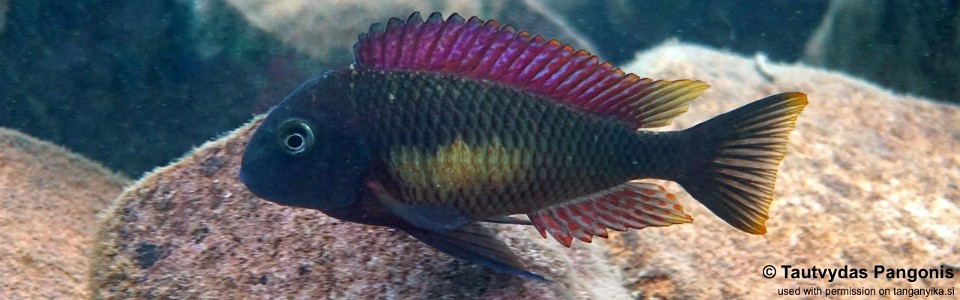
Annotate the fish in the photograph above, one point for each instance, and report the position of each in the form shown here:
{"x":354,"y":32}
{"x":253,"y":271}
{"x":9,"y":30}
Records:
{"x":443,"y":125}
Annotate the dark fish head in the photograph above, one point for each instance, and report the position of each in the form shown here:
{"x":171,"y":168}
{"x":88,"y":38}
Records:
{"x":305,"y":153}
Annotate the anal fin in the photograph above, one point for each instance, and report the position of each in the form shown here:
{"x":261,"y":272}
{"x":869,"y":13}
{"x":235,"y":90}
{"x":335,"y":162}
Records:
{"x":476,"y":244}
{"x":630,"y":205}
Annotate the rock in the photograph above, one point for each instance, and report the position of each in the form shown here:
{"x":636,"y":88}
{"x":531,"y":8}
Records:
{"x":49,"y":199}
{"x":909,"y":46}
{"x":193,"y":230}
{"x":870,"y":178}
{"x":539,"y":18}
{"x":327,"y":30}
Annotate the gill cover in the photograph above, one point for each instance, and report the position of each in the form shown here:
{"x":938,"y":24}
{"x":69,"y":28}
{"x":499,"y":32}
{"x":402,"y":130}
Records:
{"x":304,"y":153}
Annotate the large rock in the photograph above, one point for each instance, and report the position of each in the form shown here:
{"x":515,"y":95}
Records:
{"x":49,"y":199}
{"x":910,"y":46}
{"x":327,"y":29}
{"x":870,"y":178}
{"x":193,"y":230}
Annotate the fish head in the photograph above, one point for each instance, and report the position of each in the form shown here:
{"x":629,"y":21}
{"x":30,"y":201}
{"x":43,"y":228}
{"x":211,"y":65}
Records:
{"x":305,"y":153}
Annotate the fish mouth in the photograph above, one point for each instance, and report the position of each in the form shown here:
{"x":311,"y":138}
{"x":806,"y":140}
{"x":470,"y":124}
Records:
{"x":251,"y":171}
{"x":248,"y":180}
{"x":254,"y":181}
{"x":269,"y":187}
{"x":244,"y":177}
{"x":265,"y":191}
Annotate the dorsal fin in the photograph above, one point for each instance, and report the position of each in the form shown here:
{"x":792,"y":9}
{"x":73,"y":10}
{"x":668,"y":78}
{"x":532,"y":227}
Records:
{"x":486,"y":50}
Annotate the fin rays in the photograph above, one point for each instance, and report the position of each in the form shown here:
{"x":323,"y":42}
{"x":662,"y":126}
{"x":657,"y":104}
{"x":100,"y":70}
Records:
{"x":630,"y":205}
{"x":739,"y":167}
{"x":477,"y":244}
{"x":486,"y":50}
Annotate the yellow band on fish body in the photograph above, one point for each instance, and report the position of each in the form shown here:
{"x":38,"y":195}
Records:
{"x":459,"y":167}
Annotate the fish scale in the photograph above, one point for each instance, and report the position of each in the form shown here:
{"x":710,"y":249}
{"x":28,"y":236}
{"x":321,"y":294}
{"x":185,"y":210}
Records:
{"x":566,"y":159}
{"x":441,"y":124}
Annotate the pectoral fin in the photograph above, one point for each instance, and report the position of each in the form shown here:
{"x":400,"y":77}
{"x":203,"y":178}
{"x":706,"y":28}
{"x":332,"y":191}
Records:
{"x":476,"y":244}
{"x":436,"y":218}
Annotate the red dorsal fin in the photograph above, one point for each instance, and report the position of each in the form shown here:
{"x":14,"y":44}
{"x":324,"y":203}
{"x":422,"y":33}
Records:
{"x":630,"y":205}
{"x":486,"y":50}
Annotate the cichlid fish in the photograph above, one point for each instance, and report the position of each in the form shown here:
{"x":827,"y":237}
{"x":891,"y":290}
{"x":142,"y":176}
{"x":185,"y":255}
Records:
{"x":442,"y":124}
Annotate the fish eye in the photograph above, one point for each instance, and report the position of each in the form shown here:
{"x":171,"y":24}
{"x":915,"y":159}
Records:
{"x":296,"y":137}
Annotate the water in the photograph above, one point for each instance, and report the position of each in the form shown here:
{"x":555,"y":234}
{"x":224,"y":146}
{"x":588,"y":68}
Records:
{"x":134,"y":85}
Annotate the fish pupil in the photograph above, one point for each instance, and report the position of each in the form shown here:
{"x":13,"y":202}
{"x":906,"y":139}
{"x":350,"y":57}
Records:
{"x":294,"y":141}
{"x":297,"y":137}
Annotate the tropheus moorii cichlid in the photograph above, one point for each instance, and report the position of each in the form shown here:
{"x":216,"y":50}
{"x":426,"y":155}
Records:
{"x":442,"y":124}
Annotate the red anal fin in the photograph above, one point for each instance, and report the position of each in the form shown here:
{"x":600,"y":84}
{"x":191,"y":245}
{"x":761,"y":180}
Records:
{"x":486,"y":50}
{"x":630,"y":205}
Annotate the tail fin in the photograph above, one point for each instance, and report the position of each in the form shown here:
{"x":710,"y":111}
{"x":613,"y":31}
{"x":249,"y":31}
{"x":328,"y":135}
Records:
{"x":738,"y":154}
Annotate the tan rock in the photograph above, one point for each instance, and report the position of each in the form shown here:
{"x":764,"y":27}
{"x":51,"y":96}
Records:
{"x":49,"y":199}
{"x":193,"y":230}
{"x":327,"y":29}
{"x":871,"y":178}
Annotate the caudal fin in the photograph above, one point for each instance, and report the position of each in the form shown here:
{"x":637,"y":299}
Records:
{"x":737,"y":158}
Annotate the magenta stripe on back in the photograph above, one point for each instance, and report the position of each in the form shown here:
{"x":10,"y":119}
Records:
{"x":409,"y":42}
{"x":487,"y":50}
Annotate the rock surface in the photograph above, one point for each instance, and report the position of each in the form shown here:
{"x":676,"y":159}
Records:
{"x":870,"y":178}
{"x":909,"y":46}
{"x":327,"y":30}
{"x":49,"y":199}
{"x":193,"y":230}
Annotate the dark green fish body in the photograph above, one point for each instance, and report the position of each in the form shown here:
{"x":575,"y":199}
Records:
{"x":443,"y":124}
{"x":488,"y":149}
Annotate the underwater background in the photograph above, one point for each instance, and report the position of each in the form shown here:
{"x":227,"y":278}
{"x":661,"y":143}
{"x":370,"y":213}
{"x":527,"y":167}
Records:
{"x":136,"y":85}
